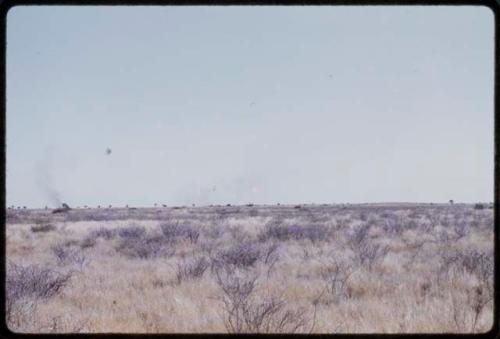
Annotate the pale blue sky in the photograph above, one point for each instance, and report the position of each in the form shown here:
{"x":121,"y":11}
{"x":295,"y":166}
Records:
{"x":249,"y":104}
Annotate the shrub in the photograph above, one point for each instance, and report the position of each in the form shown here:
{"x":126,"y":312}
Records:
{"x":313,"y":232}
{"x":336,"y":274}
{"x":215,"y":231}
{"x":245,"y":312}
{"x":370,"y":254}
{"x":104,"y":233}
{"x":26,"y":284}
{"x":12,"y":217}
{"x":359,"y":236}
{"x":193,"y":269}
{"x":68,"y":255}
{"x":132,"y":231}
{"x":243,"y":254}
{"x":363,"y":216}
{"x":42,"y":228}
{"x":34,"y":281}
{"x":173,"y":231}
{"x":461,"y":230}
{"x":480,"y":264}
{"x":88,"y":242}
{"x":253,"y":213}
{"x":143,"y":247}
{"x":391,"y":226}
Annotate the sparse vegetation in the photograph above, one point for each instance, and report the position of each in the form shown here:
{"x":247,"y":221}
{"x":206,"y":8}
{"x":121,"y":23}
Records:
{"x":42,"y":228}
{"x":252,"y":269}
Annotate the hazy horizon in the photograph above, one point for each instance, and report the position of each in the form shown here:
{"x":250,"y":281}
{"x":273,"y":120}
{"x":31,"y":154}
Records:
{"x":235,"y":105}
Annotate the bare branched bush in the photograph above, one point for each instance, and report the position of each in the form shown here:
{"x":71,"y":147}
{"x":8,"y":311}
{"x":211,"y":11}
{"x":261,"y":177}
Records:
{"x":108,"y":234}
{"x":359,"y":236}
{"x":192,"y":270}
{"x":336,"y":274}
{"x":214,"y":231}
{"x":270,"y":253}
{"x":144,"y":247}
{"x":271,"y":257}
{"x":173,"y":231}
{"x":393,"y":226}
{"x":479,"y":264}
{"x":136,"y":243}
{"x":472,"y":261}
{"x":25,"y":284}
{"x":369,"y":254}
{"x":245,"y":312}
{"x":468,"y":307}
{"x":240,"y":255}
{"x":478,"y":298}
{"x":68,"y":255}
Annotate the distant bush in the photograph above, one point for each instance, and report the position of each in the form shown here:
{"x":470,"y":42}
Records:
{"x":60,"y":210}
{"x":88,"y":242}
{"x":42,"y":228}
{"x":360,"y":235}
{"x":478,"y":206}
{"x":12,"y":217}
{"x":363,"y":216}
{"x":172,"y":231}
{"x":104,"y":233}
{"x":253,"y":213}
{"x":240,"y":255}
{"x":215,"y":231}
{"x":314,"y":232}
{"x":143,"y":247}
{"x":132,"y":231}
{"x":460,"y":229}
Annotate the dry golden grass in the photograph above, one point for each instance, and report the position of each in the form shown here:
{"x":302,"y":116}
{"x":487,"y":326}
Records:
{"x":408,"y":286}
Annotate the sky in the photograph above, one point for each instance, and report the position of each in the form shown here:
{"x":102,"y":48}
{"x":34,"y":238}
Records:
{"x":234,"y":104}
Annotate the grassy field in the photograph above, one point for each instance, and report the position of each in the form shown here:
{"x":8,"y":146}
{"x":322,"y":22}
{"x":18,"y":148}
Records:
{"x":386,"y":268}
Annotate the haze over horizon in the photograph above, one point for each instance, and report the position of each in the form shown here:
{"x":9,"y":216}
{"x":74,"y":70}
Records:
{"x":199,"y":105}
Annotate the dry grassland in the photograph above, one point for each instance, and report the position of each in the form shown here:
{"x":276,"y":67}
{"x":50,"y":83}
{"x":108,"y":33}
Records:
{"x":398,"y":268}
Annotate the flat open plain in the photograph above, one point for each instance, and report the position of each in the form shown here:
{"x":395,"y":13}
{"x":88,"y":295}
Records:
{"x":379,"y":268}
